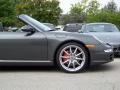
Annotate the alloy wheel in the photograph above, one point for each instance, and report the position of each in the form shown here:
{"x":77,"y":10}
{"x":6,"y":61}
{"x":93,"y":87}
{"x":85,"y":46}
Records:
{"x":72,"y":58}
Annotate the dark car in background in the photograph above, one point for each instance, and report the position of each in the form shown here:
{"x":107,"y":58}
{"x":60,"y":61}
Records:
{"x":38,"y":45}
{"x":106,"y":32}
{"x":72,"y":27}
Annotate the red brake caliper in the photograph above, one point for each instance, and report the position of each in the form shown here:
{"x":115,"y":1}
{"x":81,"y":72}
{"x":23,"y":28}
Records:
{"x":65,"y":55}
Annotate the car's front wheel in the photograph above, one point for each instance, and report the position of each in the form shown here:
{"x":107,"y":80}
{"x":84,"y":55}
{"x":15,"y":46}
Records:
{"x":72,"y":57}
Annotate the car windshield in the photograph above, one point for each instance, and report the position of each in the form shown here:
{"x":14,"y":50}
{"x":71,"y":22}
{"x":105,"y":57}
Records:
{"x":101,"y":28}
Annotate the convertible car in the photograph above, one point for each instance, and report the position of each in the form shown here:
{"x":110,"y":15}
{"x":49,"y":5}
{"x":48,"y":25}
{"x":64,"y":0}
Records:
{"x":39,"y":45}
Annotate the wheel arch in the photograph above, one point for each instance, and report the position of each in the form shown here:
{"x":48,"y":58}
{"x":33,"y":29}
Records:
{"x":71,"y":41}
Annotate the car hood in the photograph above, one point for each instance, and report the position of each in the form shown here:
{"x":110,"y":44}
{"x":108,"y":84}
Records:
{"x":111,"y":37}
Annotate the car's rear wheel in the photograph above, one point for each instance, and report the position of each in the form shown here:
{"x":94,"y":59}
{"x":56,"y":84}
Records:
{"x":72,"y":57}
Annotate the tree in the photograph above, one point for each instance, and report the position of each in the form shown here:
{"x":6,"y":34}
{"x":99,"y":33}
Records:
{"x":105,"y":16}
{"x":93,"y":7}
{"x":109,"y":14}
{"x":92,"y":11}
{"x":111,"y":6}
{"x":82,"y":11}
{"x":7,"y":12}
{"x":42,"y":10}
{"x":64,"y":19}
{"x":78,"y":12}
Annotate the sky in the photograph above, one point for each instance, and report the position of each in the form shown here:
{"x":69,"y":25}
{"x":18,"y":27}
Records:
{"x":66,"y":4}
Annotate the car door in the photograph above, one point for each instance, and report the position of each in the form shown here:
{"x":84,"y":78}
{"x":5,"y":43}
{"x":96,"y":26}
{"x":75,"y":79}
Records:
{"x":18,"y":46}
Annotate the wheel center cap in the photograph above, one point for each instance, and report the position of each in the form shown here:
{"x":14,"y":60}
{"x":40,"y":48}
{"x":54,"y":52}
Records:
{"x":72,"y":57}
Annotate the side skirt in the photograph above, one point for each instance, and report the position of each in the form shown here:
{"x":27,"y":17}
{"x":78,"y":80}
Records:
{"x":25,"y":63}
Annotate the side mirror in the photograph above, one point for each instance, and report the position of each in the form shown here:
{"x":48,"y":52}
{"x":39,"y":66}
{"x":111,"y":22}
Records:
{"x":27,"y":28}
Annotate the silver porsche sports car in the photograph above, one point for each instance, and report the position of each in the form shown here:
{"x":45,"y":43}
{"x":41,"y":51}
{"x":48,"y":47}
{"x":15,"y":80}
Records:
{"x":39,"y":45}
{"x":106,"y":32}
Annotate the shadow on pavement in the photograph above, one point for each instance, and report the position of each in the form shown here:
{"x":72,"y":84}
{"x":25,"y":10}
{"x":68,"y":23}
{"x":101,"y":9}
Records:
{"x":117,"y":56}
{"x":99,"y":68}
{"x":27,"y":68}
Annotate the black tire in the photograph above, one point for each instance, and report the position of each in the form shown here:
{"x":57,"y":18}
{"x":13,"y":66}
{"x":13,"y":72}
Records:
{"x":63,"y":67}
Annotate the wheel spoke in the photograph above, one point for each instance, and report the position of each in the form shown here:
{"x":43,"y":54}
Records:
{"x":75,"y":51}
{"x":77,"y":63}
{"x":69,"y":64}
{"x":73,"y":65}
{"x":70,"y":50}
{"x":64,"y":57}
{"x":66,"y":52}
{"x":79,"y":59}
{"x":66,"y":61}
{"x":79,"y":54}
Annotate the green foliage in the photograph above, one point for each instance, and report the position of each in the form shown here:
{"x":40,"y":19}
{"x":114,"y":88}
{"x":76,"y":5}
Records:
{"x":108,"y":14}
{"x":93,"y":7}
{"x":7,"y":12}
{"x":42,"y":10}
{"x":77,"y":12}
{"x":104,"y":16}
{"x":49,"y":11}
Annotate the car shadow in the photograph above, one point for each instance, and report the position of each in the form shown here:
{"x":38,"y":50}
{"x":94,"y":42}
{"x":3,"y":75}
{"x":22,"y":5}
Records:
{"x":117,"y":56}
{"x":101,"y":68}
{"x":98,"y":68}
{"x":27,"y":69}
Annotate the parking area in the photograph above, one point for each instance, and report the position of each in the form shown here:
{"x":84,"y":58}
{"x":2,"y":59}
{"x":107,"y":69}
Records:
{"x":105,"y":77}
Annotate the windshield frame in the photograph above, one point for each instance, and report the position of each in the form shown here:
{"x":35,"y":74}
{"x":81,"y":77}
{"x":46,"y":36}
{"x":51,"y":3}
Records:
{"x":34,"y":23}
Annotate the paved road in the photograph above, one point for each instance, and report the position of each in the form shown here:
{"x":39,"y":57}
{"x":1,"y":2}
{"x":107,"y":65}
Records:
{"x":105,"y":77}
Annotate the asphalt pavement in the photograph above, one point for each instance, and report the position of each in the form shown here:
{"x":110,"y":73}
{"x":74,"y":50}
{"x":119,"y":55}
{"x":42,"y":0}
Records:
{"x":104,"y":77}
